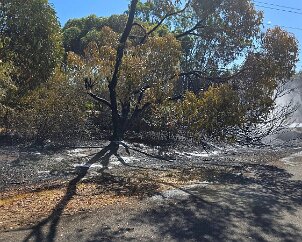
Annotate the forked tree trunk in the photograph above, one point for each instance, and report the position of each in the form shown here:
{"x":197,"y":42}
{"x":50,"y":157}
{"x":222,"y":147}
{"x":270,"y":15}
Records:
{"x":118,"y":121}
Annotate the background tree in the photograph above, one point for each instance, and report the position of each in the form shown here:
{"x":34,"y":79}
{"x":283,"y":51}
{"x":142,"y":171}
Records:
{"x":55,"y":111}
{"x":32,"y":34}
{"x":144,"y":75}
{"x":200,"y":66}
{"x":38,"y":99}
{"x":210,"y":39}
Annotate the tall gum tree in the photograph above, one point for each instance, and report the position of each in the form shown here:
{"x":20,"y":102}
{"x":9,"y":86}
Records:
{"x":203,"y":43}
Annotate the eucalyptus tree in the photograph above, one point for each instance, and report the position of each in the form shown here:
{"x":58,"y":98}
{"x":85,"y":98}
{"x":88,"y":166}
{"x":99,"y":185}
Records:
{"x":33,"y":40}
{"x":30,"y":50}
{"x":212,"y":43}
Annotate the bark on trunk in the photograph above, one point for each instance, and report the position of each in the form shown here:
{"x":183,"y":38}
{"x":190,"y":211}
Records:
{"x":117,"y":120}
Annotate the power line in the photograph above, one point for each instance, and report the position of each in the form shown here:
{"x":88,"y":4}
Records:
{"x":282,"y":26}
{"x":287,"y":27}
{"x":281,"y":6}
{"x":278,"y":9}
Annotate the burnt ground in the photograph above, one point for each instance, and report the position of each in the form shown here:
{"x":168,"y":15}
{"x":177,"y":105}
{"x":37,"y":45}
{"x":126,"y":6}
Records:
{"x":152,"y":194}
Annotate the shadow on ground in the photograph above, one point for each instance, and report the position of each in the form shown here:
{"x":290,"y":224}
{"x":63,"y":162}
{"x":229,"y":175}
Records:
{"x":46,"y":229}
{"x":266,"y":206}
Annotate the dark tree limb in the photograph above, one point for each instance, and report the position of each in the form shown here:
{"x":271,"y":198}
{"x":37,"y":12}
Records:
{"x":99,"y":99}
{"x":139,"y":111}
{"x":198,"y":25}
{"x":117,"y":133}
{"x":141,"y":93}
{"x":162,"y":20}
{"x":140,"y":26}
{"x":122,"y":44}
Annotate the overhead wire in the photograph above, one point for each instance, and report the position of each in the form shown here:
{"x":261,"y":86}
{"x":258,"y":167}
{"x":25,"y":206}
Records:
{"x":283,"y":26}
{"x":278,"y":9}
{"x":281,"y":6}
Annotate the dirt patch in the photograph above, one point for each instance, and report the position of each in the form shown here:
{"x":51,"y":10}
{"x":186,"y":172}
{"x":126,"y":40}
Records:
{"x":27,"y":205}
{"x":26,"y":209}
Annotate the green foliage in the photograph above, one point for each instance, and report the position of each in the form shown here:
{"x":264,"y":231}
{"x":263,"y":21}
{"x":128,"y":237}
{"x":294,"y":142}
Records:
{"x":79,"y":32}
{"x":212,"y":112}
{"x":264,"y":71}
{"x":54,"y":111}
{"x":7,"y":86}
{"x":223,"y":31}
{"x":217,"y":34}
{"x":7,"y":91}
{"x":150,"y":64}
{"x":34,"y":39}
{"x":194,"y":53}
{"x":220,"y":109}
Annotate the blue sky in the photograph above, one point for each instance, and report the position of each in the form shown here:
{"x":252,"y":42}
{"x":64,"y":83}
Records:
{"x":285,"y":17}
{"x":67,"y":9}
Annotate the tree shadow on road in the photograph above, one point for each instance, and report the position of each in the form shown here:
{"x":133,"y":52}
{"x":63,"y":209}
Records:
{"x":46,"y":229}
{"x":238,"y":208}
{"x":235,"y":207}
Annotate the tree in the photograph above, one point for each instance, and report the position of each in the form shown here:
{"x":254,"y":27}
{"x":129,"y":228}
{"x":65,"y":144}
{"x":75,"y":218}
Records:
{"x":48,"y":112}
{"x":144,"y":75}
{"x":203,"y":42}
{"x":33,"y":41}
{"x":30,"y":50}
{"x":7,"y":86}
{"x":79,"y":32}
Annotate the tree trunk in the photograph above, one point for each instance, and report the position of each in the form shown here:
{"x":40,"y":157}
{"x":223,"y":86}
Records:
{"x":118,"y":122}
{"x":118,"y":132}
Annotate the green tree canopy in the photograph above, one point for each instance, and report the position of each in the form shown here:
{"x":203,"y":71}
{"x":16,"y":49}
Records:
{"x":33,"y":41}
{"x":162,"y":48}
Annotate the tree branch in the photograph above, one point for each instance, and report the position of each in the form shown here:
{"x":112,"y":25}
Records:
{"x":122,"y":44}
{"x":162,"y":20}
{"x":216,"y":79}
{"x":190,"y":31}
{"x":141,"y":93}
{"x":146,"y":105}
{"x":139,"y":111}
{"x":198,"y":25}
{"x":99,"y":99}
{"x":118,"y":62}
{"x":141,"y":26}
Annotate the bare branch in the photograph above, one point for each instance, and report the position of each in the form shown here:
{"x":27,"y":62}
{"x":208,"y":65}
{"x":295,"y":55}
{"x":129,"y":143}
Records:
{"x":118,"y":62}
{"x":141,"y":93}
{"x":141,"y":26}
{"x":99,"y":99}
{"x":138,"y":110}
{"x":122,"y":44}
{"x":145,"y":107}
{"x":198,"y":25}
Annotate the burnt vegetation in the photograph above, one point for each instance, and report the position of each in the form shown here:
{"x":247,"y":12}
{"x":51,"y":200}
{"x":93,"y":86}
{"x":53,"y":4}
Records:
{"x":200,"y":70}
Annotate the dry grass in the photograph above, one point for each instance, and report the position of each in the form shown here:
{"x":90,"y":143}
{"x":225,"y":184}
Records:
{"x":22,"y":207}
